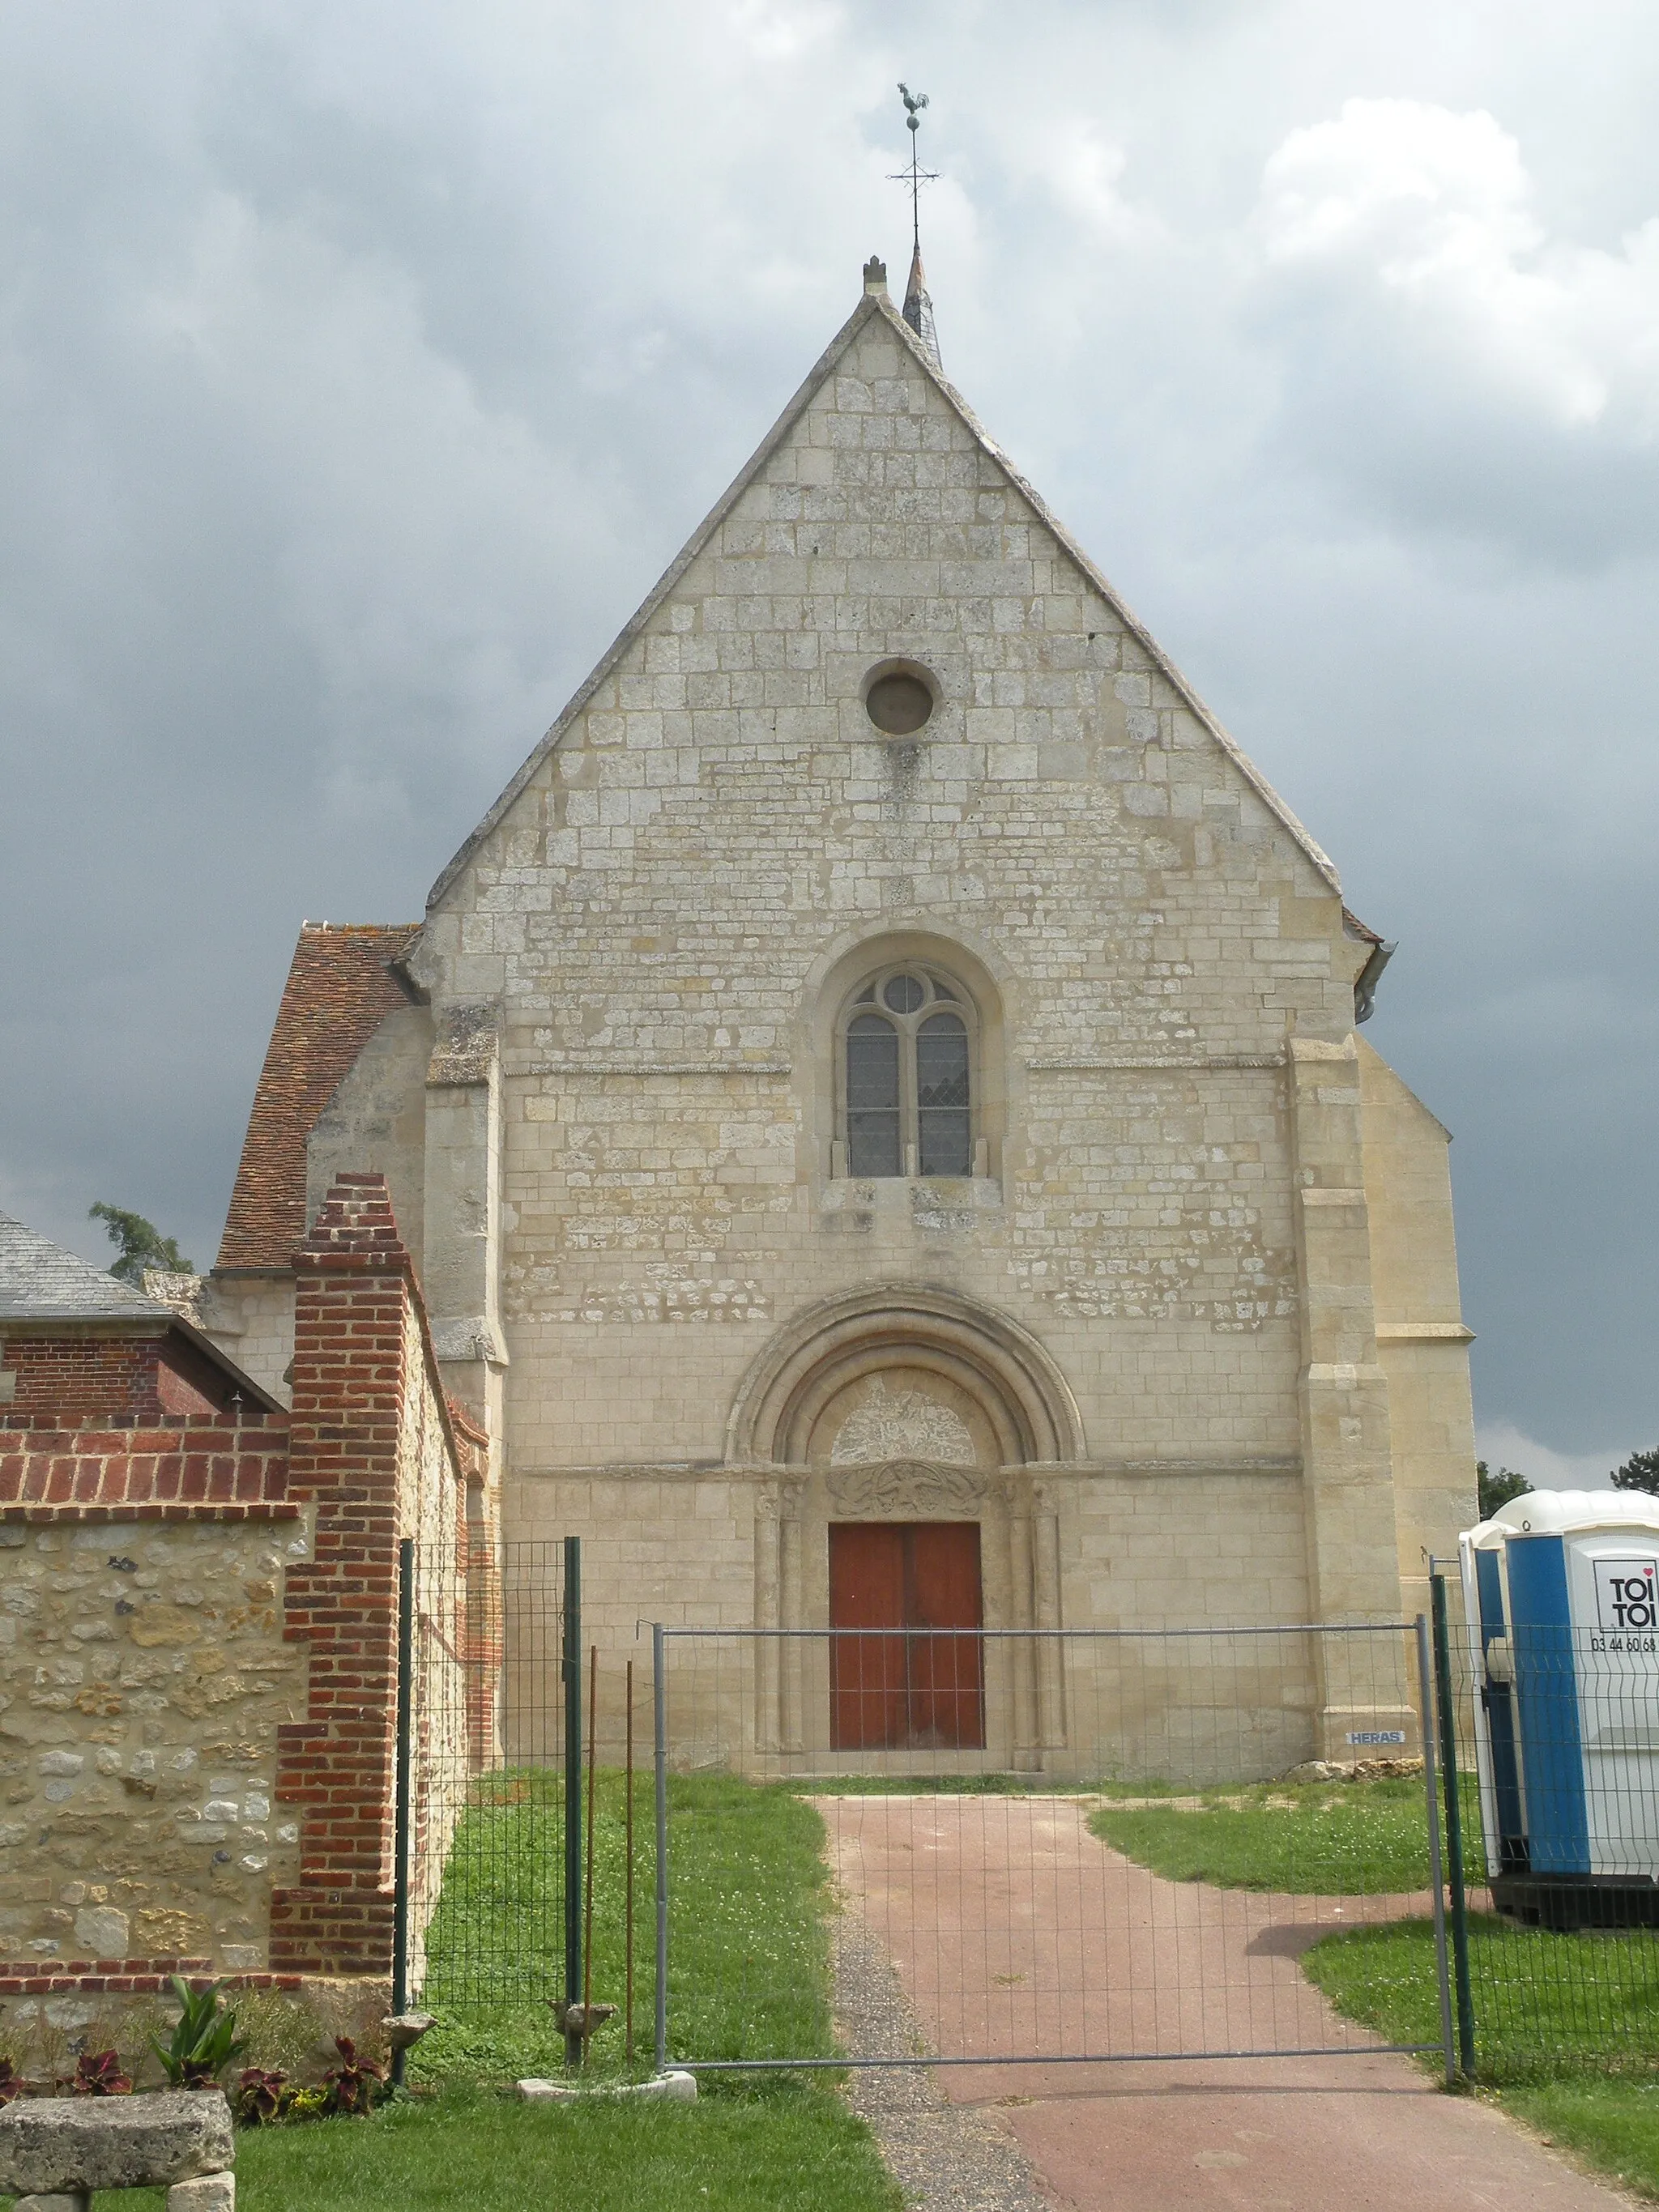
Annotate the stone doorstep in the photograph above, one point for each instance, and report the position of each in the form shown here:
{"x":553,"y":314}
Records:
{"x":56,"y":2150}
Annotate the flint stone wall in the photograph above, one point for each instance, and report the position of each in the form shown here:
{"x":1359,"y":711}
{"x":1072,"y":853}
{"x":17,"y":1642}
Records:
{"x":144,"y":1677}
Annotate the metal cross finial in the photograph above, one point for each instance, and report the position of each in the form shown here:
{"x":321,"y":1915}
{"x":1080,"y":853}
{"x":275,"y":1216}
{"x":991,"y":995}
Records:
{"x":915,"y":176}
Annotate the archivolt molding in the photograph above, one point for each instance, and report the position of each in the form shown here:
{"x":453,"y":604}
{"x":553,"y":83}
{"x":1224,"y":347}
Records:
{"x":1023,"y":1396}
{"x":981,"y":963}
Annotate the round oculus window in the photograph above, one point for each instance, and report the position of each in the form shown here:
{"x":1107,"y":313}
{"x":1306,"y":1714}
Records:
{"x":898,"y":704}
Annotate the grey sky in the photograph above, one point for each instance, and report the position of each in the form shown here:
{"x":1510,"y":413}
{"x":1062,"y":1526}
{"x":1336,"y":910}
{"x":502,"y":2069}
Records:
{"x":362,"y":366}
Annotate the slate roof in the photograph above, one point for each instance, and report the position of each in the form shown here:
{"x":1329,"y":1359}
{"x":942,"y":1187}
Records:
{"x":340,"y":989}
{"x":41,"y":1281}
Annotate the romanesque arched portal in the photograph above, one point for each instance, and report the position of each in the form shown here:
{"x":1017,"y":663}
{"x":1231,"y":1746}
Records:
{"x":907,"y":1406}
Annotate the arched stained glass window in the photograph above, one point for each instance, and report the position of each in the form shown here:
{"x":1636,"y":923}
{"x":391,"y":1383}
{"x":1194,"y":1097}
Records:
{"x":942,"y":1125}
{"x":873,"y":1092}
{"x":906,"y":1072}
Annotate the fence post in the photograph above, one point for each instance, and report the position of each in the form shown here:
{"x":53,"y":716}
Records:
{"x":400,"y":1800}
{"x":627,"y":1878}
{"x":660,"y":1715}
{"x":1437,"y":1877}
{"x":573,"y":1789}
{"x":1460,"y":1910}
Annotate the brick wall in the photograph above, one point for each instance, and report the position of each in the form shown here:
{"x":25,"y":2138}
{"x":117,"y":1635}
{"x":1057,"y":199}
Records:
{"x":198,"y":1639}
{"x":372,"y":1436}
{"x":89,"y":1375}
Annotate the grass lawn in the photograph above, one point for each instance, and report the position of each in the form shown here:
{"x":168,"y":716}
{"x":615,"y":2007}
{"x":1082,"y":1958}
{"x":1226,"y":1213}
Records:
{"x":749,"y":1939}
{"x":796,"y":2150}
{"x":1546,"y":2007}
{"x":1354,"y":1839}
{"x":749,"y":1978}
{"x":1568,"y":2025}
{"x":1612,"y":2124}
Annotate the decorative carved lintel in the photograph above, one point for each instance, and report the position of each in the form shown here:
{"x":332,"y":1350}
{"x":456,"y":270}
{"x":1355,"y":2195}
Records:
{"x":900,"y":1486}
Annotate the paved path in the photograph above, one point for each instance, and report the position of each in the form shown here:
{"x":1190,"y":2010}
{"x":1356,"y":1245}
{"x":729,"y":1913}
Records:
{"x":1013,"y":1929}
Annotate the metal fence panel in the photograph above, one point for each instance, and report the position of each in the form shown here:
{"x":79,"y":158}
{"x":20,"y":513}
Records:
{"x":488,"y":1844}
{"x":999,"y":1808}
{"x":1552,"y":1842}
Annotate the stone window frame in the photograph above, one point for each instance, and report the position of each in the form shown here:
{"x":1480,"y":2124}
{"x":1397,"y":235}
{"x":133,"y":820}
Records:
{"x":834,"y":979}
{"x":948,"y":994}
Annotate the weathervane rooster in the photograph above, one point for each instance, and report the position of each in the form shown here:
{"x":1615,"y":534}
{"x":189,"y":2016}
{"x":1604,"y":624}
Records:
{"x":918,"y":307}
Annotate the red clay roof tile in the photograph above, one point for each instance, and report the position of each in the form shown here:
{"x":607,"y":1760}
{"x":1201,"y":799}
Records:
{"x":340,"y":989}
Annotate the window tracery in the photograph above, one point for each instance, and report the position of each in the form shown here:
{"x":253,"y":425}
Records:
{"x":905,"y":1071}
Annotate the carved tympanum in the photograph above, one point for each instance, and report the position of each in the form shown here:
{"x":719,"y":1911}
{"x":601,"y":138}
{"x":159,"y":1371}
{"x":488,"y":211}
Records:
{"x":906,"y":1486}
{"x":887,"y":1423}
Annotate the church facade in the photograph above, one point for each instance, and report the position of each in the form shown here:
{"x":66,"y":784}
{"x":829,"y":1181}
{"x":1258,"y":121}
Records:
{"x":889,"y":1065}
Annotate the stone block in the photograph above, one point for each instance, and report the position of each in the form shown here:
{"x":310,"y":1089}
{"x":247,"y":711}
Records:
{"x":71,"y":2143}
{"x":209,"y":2192}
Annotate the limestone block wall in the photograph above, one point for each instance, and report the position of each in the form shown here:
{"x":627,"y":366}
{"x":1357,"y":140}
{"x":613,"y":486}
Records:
{"x":1422,"y":1341}
{"x":1130,"y":1552}
{"x":1141,"y":1228}
{"x":251,"y":1315}
{"x":376,"y":1119}
{"x":1185,"y":1174}
{"x":445,"y":1717}
{"x":667,"y":912}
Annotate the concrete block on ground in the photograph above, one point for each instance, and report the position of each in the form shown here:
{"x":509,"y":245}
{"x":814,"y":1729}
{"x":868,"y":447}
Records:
{"x":678,"y":2087}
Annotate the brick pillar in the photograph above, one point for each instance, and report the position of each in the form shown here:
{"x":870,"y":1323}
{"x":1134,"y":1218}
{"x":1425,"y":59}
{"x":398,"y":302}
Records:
{"x":353,"y":1291}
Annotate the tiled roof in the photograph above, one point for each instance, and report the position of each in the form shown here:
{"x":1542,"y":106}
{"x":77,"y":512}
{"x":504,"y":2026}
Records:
{"x":339,"y":990}
{"x":41,"y":1281}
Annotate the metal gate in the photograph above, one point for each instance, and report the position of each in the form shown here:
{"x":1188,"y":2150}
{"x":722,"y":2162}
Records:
{"x":1105,"y":1868}
{"x":1553,"y":1972}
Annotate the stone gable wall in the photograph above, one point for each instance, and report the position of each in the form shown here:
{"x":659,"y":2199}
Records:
{"x":1175,"y":1178}
{"x":721,"y":826}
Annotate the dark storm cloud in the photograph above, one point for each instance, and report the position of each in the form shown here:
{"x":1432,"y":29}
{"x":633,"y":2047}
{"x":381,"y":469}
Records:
{"x":362,"y":368}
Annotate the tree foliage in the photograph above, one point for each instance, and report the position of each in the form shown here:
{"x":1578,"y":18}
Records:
{"x":142,"y":1243}
{"x":1496,"y":1489}
{"x":1640,"y":1472}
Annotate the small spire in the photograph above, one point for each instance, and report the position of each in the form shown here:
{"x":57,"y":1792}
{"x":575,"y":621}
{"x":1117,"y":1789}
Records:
{"x":919,"y":309}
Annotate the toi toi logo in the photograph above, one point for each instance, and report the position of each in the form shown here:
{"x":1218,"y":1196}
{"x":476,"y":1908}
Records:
{"x":1626,"y":1596}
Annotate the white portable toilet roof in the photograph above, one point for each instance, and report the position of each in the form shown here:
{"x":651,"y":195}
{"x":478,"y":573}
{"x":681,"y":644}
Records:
{"x":1566,"y":1513}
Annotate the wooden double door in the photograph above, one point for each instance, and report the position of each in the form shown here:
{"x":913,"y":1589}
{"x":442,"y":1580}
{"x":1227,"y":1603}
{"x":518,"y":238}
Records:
{"x":898,"y":1683}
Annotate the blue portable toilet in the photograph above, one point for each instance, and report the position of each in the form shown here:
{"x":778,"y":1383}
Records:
{"x":1561,"y":1592}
